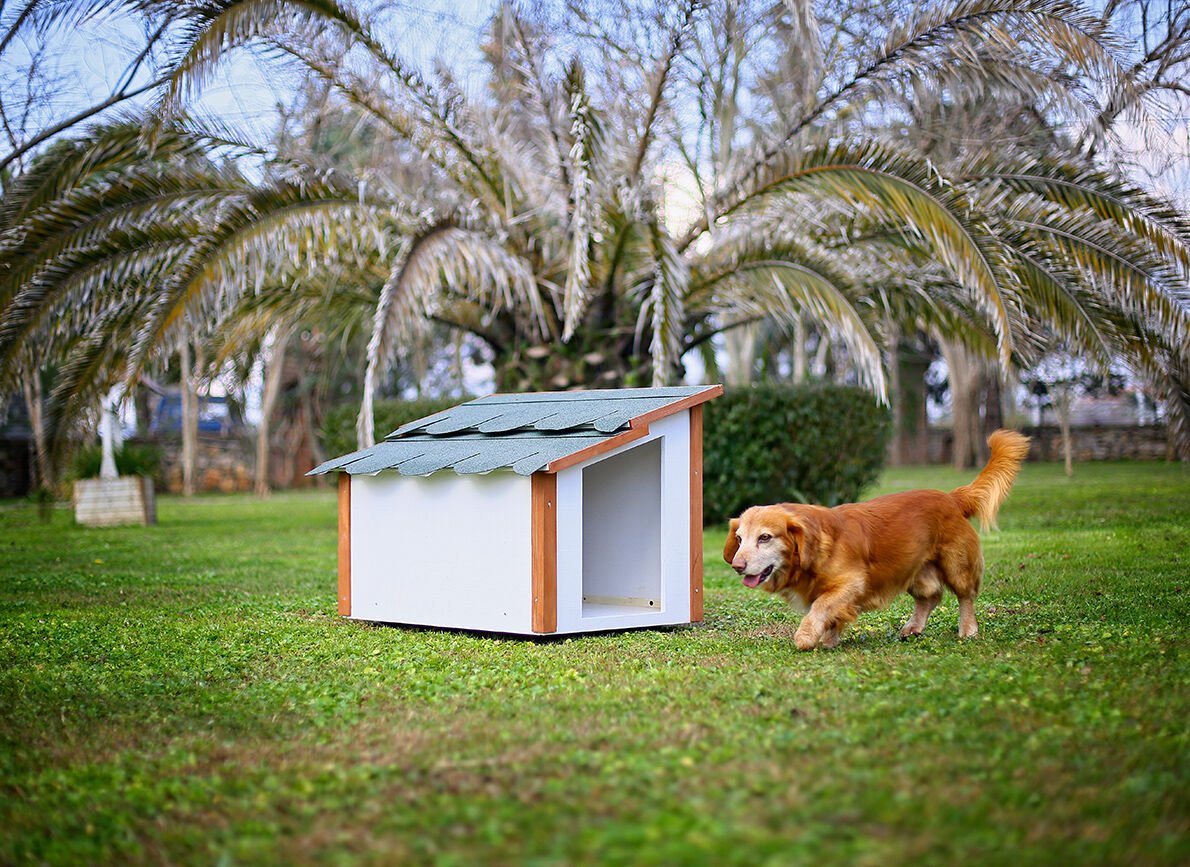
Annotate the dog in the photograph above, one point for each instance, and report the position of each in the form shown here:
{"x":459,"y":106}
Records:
{"x":834,"y":563}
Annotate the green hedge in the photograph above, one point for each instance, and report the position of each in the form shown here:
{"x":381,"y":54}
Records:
{"x":131,"y":460}
{"x":338,"y":429}
{"x":779,"y":444}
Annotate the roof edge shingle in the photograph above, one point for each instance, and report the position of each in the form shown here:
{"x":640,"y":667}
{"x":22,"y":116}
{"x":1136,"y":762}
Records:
{"x":527,"y":433}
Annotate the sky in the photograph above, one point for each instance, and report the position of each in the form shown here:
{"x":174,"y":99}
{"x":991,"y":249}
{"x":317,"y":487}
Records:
{"x":85,"y":62}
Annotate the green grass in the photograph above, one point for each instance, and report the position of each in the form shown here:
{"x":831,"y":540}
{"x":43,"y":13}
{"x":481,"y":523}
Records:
{"x":186,"y":694}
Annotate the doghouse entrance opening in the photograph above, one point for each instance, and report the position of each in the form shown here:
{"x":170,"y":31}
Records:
{"x":622,"y":533}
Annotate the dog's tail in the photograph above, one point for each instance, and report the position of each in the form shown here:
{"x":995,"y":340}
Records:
{"x":984,"y":496}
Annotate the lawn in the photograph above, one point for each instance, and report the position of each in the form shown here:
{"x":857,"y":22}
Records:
{"x":187,"y":694}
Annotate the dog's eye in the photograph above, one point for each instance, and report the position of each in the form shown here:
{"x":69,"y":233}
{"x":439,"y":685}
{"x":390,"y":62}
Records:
{"x":764,"y":537}
{"x":739,"y":538}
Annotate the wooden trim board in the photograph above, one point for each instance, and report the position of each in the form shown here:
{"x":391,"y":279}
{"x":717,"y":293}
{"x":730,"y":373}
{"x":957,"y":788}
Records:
{"x":545,"y":552}
{"x":344,"y":544}
{"x":696,"y":514}
{"x":638,"y":428}
{"x":600,"y":448}
{"x":690,"y":403}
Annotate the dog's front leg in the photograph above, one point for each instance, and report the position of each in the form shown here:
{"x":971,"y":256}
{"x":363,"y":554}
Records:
{"x":828,"y":616}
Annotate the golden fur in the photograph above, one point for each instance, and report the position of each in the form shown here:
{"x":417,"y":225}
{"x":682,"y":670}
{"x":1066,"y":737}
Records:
{"x":839,"y":562}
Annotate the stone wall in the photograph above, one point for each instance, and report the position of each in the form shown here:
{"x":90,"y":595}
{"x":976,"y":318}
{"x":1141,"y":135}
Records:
{"x":224,"y":463}
{"x":1097,"y":443}
{"x":1101,"y":443}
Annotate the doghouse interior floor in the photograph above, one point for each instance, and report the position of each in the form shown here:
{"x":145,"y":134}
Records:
{"x":599,"y":609}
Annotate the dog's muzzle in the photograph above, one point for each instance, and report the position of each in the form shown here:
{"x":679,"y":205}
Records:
{"x":759,"y":578}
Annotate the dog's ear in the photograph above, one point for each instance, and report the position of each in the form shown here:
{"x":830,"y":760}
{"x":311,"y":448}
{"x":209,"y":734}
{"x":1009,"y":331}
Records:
{"x":805,"y":541}
{"x":733,"y":543}
{"x":797,"y":539}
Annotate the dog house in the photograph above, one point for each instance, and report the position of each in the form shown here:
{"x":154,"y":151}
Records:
{"x":529,"y":514}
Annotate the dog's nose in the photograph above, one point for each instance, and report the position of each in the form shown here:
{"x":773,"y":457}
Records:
{"x":741,"y":566}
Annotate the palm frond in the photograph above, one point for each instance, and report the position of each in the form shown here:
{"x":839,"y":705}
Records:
{"x":1076,"y":188}
{"x":70,"y":163}
{"x":904,"y":192}
{"x":785,"y":282}
{"x":539,"y":92}
{"x":657,"y":86}
{"x":1118,"y":266}
{"x":42,"y":16}
{"x":94,"y":215}
{"x":220,"y":26}
{"x":397,"y":316}
{"x":1053,"y":295}
{"x":72,"y":288}
{"x":90,"y":365}
{"x":665,"y":305}
{"x":443,"y":257}
{"x":585,"y":133}
{"x":305,"y":223}
{"x":914,"y":50}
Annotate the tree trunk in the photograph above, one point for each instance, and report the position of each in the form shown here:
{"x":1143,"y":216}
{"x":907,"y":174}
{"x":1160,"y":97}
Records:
{"x":272,"y":388}
{"x":993,"y":400}
{"x":457,"y":358}
{"x":43,"y":477}
{"x":710,"y":362}
{"x":799,"y":351}
{"x":896,"y":446}
{"x":966,"y":374}
{"x":821,"y":355}
{"x":142,"y":400}
{"x":189,"y":420}
{"x":740,"y":343}
{"x":310,"y":454}
{"x":1063,"y":398}
{"x":913,"y":363}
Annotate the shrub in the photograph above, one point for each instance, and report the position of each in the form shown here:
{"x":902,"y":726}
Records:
{"x":132,"y":459}
{"x":338,"y":429}
{"x":779,"y":444}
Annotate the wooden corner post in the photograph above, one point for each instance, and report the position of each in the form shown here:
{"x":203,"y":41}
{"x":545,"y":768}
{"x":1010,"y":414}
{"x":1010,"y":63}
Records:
{"x":344,"y":544}
{"x":545,"y":552}
{"x":696,"y":514}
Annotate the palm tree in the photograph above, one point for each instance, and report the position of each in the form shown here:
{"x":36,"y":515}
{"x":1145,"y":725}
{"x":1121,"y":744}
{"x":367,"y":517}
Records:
{"x":113,"y":256}
{"x":1070,"y":233}
{"x":532,"y":217}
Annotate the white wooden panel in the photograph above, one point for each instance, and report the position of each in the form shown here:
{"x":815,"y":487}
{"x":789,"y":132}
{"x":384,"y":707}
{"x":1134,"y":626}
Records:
{"x":108,"y":502}
{"x":442,"y":550}
{"x":673,"y":432}
{"x":675,"y":515}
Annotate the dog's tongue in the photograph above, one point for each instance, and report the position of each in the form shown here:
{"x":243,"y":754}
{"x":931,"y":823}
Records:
{"x":752,"y":580}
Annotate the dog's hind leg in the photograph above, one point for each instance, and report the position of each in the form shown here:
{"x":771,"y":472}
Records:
{"x":962,"y":570}
{"x":926,"y":590}
{"x":968,"y":627}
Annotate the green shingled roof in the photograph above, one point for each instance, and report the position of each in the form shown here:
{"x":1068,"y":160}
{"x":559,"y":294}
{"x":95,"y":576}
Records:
{"x":521,"y":432}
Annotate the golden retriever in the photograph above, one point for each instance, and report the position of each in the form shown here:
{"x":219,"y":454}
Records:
{"x":836,"y":563}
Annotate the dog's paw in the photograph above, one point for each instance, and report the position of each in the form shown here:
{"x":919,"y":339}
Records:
{"x":908,"y":631}
{"x":805,"y":641}
{"x":971,"y":632}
